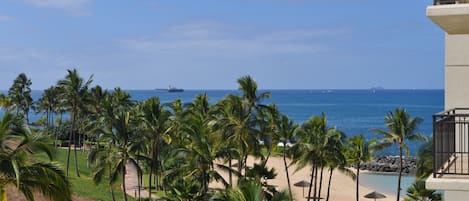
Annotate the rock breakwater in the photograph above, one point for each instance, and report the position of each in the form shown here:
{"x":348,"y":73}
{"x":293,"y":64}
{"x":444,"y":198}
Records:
{"x":390,"y":164}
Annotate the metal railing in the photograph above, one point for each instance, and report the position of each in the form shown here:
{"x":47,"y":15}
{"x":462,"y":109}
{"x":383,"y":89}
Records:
{"x":451,"y":142}
{"x":443,"y":2}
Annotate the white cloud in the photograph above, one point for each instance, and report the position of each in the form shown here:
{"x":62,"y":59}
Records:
{"x":215,"y":39}
{"x":75,"y":7}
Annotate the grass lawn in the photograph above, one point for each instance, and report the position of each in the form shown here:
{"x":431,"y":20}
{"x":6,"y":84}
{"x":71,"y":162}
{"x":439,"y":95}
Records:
{"x":146,"y":185}
{"x":84,"y":185}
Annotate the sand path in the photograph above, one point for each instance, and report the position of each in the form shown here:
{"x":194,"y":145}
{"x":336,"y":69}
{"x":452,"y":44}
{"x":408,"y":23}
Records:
{"x":131,"y":184}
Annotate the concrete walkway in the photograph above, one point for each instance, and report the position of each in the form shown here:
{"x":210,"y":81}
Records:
{"x":131,"y":185}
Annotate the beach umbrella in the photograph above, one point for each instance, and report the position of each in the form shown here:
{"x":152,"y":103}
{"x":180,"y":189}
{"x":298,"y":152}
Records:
{"x":302,"y":184}
{"x":375,"y":195}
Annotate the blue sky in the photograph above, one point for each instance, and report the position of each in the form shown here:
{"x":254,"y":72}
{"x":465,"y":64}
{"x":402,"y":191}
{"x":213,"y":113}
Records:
{"x":208,"y":44}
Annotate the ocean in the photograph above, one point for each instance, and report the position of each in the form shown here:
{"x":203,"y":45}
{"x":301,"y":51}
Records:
{"x":352,"y":111}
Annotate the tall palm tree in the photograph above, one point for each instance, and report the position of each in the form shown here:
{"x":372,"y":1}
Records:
{"x":358,"y":150}
{"x":124,"y":141}
{"x":20,"y":95}
{"x":47,"y":104}
{"x":103,"y":159}
{"x":17,"y":144}
{"x":335,"y":157}
{"x":401,"y":128}
{"x":73,"y":89}
{"x":156,"y":125}
{"x":238,"y":126}
{"x":269,"y":118}
{"x":287,"y":130}
{"x":251,"y":96}
{"x":204,"y":144}
{"x":310,"y":149}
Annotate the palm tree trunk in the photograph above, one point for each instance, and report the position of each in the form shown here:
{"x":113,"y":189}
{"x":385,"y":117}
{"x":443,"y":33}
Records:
{"x":400,"y":174}
{"x":267,"y":158}
{"x":58,"y":127}
{"x":245,"y":164}
{"x":79,"y":137}
{"x":331,"y":170}
{"x":75,"y":151}
{"x":149,"y":179}
{"x":70,"y":136}
{"x":152,"y":168}
{"x":27,"y":116}
{"x":124,"y":191}
{"x":311,"y":182}
{"x":156,"y":155}
{"x":315,"y":181}
{"x":286,"y":171}
{"x":358,"y":181}
{"x":112,"y":193}
{"x":139,"y":182}
{"x":230,"y":174}
{"x":320,"y":182}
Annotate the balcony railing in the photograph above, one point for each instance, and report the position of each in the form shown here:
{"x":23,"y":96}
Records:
{"x":451,"y":143}
{"x":442,"y":2}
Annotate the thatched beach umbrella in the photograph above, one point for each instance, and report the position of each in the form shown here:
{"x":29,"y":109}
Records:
{"x":302,"y":184}
{"x":375,"y":195}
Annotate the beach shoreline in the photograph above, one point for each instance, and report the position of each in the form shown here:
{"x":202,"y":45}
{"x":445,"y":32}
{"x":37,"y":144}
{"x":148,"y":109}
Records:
{"x":342,"y":186}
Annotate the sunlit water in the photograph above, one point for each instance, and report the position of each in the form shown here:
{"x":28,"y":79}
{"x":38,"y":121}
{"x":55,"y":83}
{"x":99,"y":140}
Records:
{"x":386,"y":183}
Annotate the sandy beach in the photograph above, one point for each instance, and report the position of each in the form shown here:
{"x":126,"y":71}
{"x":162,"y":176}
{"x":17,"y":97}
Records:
{"x":342,"y":187}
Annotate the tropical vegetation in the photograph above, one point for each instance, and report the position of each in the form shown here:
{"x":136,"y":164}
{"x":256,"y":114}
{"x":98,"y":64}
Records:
{"x":176,"y":149}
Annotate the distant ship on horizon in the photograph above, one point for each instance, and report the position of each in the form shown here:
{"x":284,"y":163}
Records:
{"x":171,"y":89}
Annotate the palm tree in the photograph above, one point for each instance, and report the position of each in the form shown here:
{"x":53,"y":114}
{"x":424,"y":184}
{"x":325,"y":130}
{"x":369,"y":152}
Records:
{"x":104,"y":159}
{"x":156,"y":125}
{"x":124,"y":141}
{"x":418,"y":192}
{"x":425,"y":160}
{"x":269,"y":118}
{"x":238,"y":126}
{"x":5,"y":102}
{"x":358,"y":150}
{"x":17,"y":144}
{"x":401,"y":127}
{"x":20,"y":95}
{"x":73,"y":89}
{"x":287,"y":130}
{"x":202,"y":148}
{"x":47,"y":103}
{"x":335,"y":157}
{"x":251,"y":97}
{"x":310,"y":149}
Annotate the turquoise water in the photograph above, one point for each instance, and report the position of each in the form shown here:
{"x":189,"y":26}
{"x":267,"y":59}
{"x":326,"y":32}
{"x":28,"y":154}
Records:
{"x":352,"y":111}
{"x":385,"y":183}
